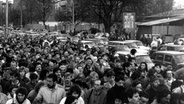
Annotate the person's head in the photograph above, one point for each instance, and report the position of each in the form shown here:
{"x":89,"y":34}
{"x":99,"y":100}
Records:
{"x":74,"y":91}
{"x":94,"y":76}
{"x":133,"y":96}
{"x":163,"y":94}
{"x":43,"y":74}
{"x":137,"y":85}
{"x":143,"y":66}
{"x":57,"y":71}
{"x":144,"y":97}
{"x":97,"y":84}
{"x":154,"y":81}
{"x":169,"y":74}
{"x":63,"y":65}
{"x":157,"y":68}
{"x":127,"y":66}
{"x":21,"y":94}
{"x":51,"y":80}
{"x":89,"y":61}
{"x":38,"y":67}
{"x":120,"y":80}
{"x":13,"y":64}
{"x":133,"y":51}
{"x":109,"y":75}
{"x":70,"y":100}
{"x":33,"y":78}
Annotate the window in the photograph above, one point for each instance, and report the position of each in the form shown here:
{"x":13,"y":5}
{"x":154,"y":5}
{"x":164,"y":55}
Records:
{"x":171,"y":48}
{"x":168,"y":58}
{"x":162,"y":48}
{"x":160,"y":57}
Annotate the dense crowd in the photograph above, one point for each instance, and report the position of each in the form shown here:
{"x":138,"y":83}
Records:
{"x":44,"y":70}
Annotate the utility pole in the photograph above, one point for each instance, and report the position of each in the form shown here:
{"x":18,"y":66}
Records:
{"x":6,"y":30}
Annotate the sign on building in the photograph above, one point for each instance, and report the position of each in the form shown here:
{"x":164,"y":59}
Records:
{"x":129,"y":20}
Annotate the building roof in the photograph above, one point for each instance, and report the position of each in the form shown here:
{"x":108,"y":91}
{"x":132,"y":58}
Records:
{"x":161,"y":21}
{"x":172,"y":13}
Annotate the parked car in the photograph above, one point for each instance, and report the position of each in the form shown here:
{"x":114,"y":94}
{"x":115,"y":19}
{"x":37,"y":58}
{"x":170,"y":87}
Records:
{"x":132,"y":44}
{"x":165,"y":58}
{"x":168,"y":47}
{"x":140,"y":57}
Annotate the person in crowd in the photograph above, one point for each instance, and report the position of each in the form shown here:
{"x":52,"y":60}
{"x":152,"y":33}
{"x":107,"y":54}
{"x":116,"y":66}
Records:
{"x":152,"y":88}
{"x":95,"y":95}
{"x":117,"y":92}
{"x":109,"y":79}
{"x":144,"y":97}
{"x":33,"y":81}
{"x":163,"y":95}
{"x":133,"y":96}
{"x":3,"y":98}
{"x":33,"y":93}
{"x":20,"y":97}
{"x":52,"y":93}
{"x":74,"y":91}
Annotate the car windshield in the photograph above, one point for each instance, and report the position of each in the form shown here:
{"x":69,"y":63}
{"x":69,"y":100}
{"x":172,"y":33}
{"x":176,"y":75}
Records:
{"x":131,"y":45}
{"x":122,"y":48}
{"x":179,"y":58}
{"x":143,"y":58}
{"x":139,"y":44}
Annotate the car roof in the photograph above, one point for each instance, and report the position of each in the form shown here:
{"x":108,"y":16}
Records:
{"x":126,"y":41}
{"x":127,"y":52}
{"x":173,"y":45}
{"x":170,"y":52}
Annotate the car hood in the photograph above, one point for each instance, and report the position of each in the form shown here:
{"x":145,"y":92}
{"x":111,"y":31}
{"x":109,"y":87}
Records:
{"x":144,"y":48}
{"x":142,"y":51}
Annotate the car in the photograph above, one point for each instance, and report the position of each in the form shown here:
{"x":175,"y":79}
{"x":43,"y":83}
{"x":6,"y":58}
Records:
{"x":168,"y":47}
{"x":90,"y":44}
{"x":132,"y":44}
{"x":165,"y":58}
{"x":140,"y":57}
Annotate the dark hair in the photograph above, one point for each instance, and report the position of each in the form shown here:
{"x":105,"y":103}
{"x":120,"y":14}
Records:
{"x":127,"y":64}
{"x":55,"y":70}
{"x":69,"y":99}
{"x":146,"y":66}
{"x":133,"y":51}
{"x":73,"y":89}
{"x":43,"y":74}
{"x":119,"y":77}
{"x":135,"y":83}
{"x":53,"y":76}
{"x":162,"y":91}
{"x":144,"y":94}
{"x":21,"y":90}
{"x":33,"y":76}
{"x":135,"y":75}
{"x":130,"y":92}
{"x":158,"y":65}
{"x":109,"y":73}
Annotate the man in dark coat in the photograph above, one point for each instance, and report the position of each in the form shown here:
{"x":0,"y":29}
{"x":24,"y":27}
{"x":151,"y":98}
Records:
{"x":117,"y":93}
